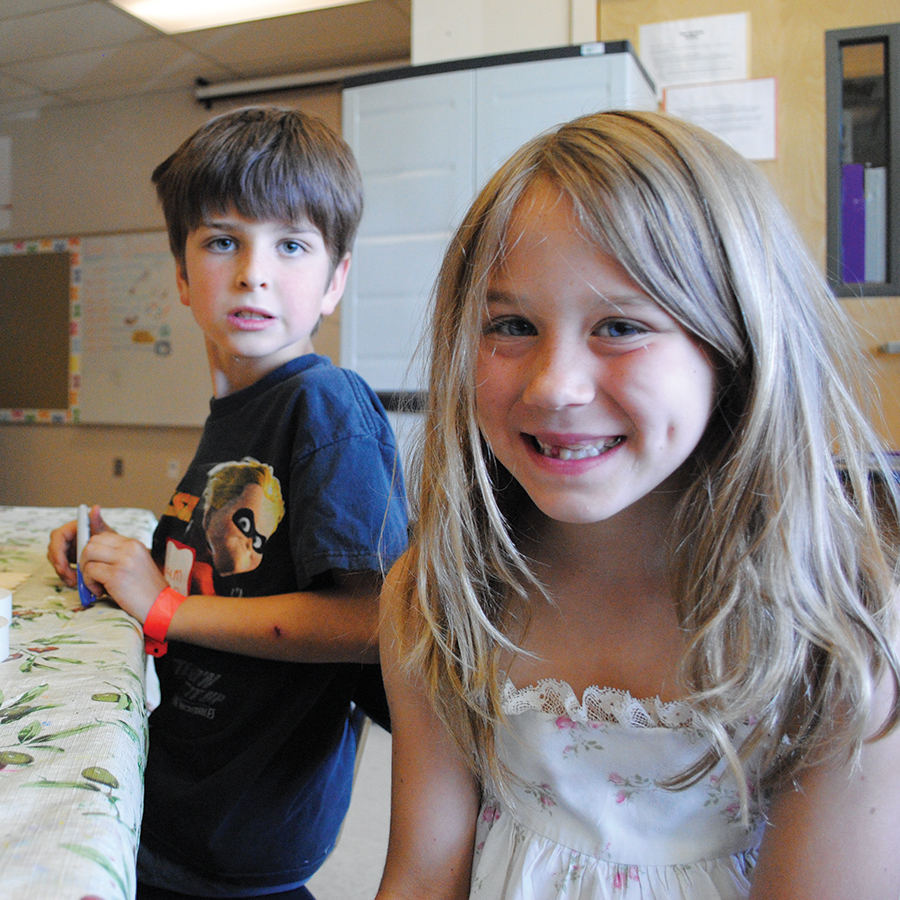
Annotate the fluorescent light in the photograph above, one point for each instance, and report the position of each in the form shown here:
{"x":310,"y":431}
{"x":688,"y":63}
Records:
{"x":173,"y":16}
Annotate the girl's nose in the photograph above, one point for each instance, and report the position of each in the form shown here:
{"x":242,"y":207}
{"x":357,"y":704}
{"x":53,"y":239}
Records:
{"x":561,"y":376}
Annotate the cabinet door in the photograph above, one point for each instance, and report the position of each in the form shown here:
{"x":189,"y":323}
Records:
{"x":518,"y":101}
{"x":413,"y":139}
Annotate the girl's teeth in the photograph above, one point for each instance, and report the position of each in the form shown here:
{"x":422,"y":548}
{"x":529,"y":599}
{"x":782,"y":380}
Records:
{"x":584,"y":451}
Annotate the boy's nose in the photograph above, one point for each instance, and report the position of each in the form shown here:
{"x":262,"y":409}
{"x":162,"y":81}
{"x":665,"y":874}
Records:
{"x":560,"y":377}
{"x":251,"y":273}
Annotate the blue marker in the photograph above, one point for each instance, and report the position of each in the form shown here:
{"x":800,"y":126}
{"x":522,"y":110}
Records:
{"x":83,"y":535}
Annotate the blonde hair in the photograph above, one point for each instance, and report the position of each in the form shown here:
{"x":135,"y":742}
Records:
{"x":784,"y":562}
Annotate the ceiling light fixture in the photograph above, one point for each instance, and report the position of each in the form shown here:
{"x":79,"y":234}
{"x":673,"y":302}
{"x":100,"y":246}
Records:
{"x":175,"y":16}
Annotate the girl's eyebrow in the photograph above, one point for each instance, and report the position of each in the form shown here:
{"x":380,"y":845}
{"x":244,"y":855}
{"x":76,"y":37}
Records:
{"x":624,"y":303}
{"x":497,"y":296}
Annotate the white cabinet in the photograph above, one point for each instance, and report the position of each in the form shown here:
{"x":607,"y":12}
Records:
{"x":426,"y":138}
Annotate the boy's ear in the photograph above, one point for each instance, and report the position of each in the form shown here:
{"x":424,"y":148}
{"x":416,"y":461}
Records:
{"x":335,"y":288}
{"x":182,"y":282}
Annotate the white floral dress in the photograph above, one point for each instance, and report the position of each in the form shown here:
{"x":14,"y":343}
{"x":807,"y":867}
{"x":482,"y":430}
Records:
{"x":586,"y":816}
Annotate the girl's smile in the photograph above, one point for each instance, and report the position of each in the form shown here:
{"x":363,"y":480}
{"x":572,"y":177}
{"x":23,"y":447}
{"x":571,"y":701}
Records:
{"x":568,"y":448}
{"x":588,"y":391}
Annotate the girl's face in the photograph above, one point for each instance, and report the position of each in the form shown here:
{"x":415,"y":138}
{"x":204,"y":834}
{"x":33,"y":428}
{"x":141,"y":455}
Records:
{"x":588,"y":392}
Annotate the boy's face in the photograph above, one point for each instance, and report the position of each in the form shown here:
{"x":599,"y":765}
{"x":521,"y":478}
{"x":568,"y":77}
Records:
{"x":257,"y":290}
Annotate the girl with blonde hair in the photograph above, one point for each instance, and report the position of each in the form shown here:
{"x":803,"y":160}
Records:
{"x":643,"y":643}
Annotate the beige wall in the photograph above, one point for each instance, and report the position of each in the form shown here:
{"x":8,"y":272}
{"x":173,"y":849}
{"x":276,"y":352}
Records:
{"x":87,"y":171}
{"x":466,"y":28}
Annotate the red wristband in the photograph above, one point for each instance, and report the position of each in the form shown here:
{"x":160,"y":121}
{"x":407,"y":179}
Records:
{"x":158,"y":618}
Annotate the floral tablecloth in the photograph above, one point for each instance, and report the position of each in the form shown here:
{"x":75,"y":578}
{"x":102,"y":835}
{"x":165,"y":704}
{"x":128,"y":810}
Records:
{"x":73,"y":732}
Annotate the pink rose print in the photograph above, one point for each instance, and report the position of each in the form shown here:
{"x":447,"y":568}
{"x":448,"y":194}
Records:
{"x":579,"y":733}
{"x":490,"y":814}
{"x":624,"y":875}
{"x":543,"y":793}
{"x":629,"y":786}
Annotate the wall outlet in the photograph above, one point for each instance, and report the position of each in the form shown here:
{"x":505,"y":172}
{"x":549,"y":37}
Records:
{"x":118,"y":467}
{"x":173,"y":469}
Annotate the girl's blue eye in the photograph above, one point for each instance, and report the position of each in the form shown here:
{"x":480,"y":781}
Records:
{"x":510,"y":327}
{"x":221,"y":243}
{"x":620,"y":328}
{"x":291,"y":246}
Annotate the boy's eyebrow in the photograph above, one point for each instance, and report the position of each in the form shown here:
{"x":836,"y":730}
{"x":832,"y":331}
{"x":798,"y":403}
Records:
{"x":224,"y":221}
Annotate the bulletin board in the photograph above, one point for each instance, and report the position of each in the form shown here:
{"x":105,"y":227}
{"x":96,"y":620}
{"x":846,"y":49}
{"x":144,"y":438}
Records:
{"x":133,"y":355}
{"x":34,"y":339}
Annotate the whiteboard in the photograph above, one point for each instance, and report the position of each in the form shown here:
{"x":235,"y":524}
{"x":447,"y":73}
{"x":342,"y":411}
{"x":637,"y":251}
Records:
{"x":143,"y":358}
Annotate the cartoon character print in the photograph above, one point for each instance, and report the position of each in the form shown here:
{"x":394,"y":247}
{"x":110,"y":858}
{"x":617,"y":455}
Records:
{"x":238,"y":513}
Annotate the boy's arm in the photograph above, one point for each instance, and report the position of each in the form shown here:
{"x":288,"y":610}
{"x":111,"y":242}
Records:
{"x":336,"y":624}
{"x":434,"y":796}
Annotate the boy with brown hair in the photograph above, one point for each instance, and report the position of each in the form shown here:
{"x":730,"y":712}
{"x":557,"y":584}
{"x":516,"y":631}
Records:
{"x":252,"y":747}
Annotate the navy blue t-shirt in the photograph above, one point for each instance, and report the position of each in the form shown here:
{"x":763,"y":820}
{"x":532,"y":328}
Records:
{"x":251,"y":761}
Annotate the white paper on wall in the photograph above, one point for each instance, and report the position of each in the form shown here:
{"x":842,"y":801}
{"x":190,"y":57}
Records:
{"x":696,"y":51}
{"x":741,"y":113}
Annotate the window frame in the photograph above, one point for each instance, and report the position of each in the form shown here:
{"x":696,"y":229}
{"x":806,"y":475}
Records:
{"x":834,"y":42}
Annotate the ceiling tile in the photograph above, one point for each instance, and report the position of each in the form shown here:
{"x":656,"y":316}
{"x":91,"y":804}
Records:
{"x":159,"y":63}
{"x":25,"y":108}
{"x":13,"y":89}
{"x":9,"y":9}
{"x":343,"y":35}
{"x":55,"y":52}
{"x":88,"y":26}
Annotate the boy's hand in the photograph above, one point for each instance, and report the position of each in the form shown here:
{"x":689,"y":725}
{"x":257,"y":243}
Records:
{"x":62,"y":547}
{"x":124,"y":569}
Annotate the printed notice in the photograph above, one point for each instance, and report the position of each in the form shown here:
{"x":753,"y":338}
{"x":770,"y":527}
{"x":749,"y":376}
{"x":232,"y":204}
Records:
{"x":696,"y":51}
{"x":741,"y":113}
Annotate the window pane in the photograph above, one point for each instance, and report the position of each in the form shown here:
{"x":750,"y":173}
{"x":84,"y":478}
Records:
{"x":864,"y":169}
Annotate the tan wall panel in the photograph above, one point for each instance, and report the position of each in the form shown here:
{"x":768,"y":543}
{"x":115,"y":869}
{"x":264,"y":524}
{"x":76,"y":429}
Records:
{"x":787,"y":42}
{"x":87,"y":170}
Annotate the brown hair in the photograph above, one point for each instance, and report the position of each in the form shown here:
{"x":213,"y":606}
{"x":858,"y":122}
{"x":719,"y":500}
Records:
{"x":265,"y":163}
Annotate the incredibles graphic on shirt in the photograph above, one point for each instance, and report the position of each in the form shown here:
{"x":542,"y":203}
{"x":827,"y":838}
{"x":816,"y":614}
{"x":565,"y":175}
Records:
{"x":228,"y":528}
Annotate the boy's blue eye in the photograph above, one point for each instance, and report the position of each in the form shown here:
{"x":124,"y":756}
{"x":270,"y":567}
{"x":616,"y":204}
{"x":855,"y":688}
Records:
{"x":291,"y":246}
{"x":221,"y":243}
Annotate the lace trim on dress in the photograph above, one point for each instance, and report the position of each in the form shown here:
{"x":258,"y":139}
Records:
{"x":557,"y":698}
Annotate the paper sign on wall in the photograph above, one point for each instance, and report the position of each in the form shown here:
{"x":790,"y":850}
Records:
{"x":696,"y":51}
{"x":741,"y":113}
